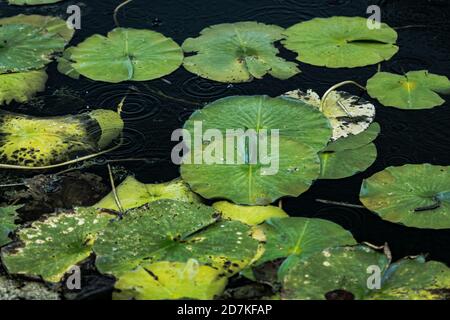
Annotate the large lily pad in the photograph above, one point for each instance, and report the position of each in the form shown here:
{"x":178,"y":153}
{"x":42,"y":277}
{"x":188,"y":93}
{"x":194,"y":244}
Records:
{"x":237,"y":52}
{"x":51,"y":247}
{"x":37,"y":142}
{"x":251,"y":215}
{"x":24,"y":47}
{"x":21,"y":86}
{"x":303,"y":131}
{"x":294,"y":238}
{"x":413,"y":195}
{"x":171,"y":280}
{"x":414,"y":90}
{"x":343,"y":273}
{"x":133,"y":194}
{"x":169,"y":230}
{"x":8,"y":215}
{"x":348,"y":114}
{"x":31,"y":2}
{"x":48,"y":24}
{"x":348,"y":156}
{"x":341,"y":42}
{"x":126,"y":54}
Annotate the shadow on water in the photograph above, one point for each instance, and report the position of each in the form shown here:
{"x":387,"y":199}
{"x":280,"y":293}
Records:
{"x":150,"y":117}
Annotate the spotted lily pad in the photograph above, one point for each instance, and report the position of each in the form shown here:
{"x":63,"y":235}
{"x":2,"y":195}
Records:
{"x":49,"y":248}
{"x":341,"y":42}
{"x":126,"y":54}
{"x":169,"y":230}
{"x":8,"y":215}
{"x":294,"y":238}
{"x":48,"y":24}
{"x":24,"y":47}
{"x":31,"y":2}
{"x":240,"y":174}
{"x":345,"y":274}
{"x":133,"y":194}
{"x":349,"y":115}
{"x":237,"y":52}
{"x":348,"y":156}
{"x":414,"y":90}
{"x":37,"y":142}
{"x":15,"y":289}
{"x":251,"y":215}
{"x":413,"y":195}
{"x":21,"y":86}
{"x":171,"y":280}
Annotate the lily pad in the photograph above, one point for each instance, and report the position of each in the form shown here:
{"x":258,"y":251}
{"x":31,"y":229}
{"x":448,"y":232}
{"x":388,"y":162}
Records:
{"x":133,"y":194}
{"x":65,"y":64}
{"x":348,"y":156}
{"x":413,"y":195}
{"x":171,"y":280}
{"x":251,"y":215}
{"x":175,"y":231}
{"x":24,"y":47}
{"x":240,"y":177}
{"x":36,"y":142}
{"x":8,"y":215}
{"x":51,"y":247}
{"x":294,"y":238}
{"x":31,"y":2}
{"x":348,"y":114}
{"x":126,"y":54}
{"x":341,"y":42}
{"x":21,"y":86}
{"x":344,"y":274}
{"x":25,"y":290}
{"x":414,"y":90}
{"x":237,"y":52}
{"x":48,"y":24}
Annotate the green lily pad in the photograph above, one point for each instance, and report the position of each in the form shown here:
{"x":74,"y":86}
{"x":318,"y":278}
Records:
{"x":36,"y":142}
{"x":21,"y":86}
{"x":133,"y":194}
{"x":414,"y":90}
{"x":294,"y":238}
{"x":348,"y":114}
{"x":413,"y":195}
{"x":126,"y":54}
{"x":24,"y":47}
{"x":239,"y":176}
{"x":171,"y":280}
{"x":237,"y":52}
{"x":7,"y":217}
{"x":348,"y":156}
{"x":341,"y":42}
{"x":65,"y":64}
{"x":343,"y":274}
{"x":251,"y":215}
{"x":49,"y":24}
{"x":51,"y":247}
{"x":31,"y":2}
{"x":169,"y":230}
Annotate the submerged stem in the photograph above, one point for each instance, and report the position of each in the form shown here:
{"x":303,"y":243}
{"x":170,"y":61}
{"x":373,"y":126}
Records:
{"x":113,"y":186}
{"x":342,"y":204}
{"x":116,"y":11}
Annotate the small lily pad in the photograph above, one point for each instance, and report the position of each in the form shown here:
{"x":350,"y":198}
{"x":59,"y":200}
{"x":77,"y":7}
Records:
{"x":175,"y":231}
{"x":133,"y":194}
{"x":21,"y":86}
{"x":8,"y":215}
{"x":413,"y":195}
{"x":237,"y":52}
{"x":171,"y":280}
{"x":414,"y":90}
{"x":345,"y":274}
{"x":251,"y":215}
{"x":24,"y":47}
{"x":348,"y":114}
{"x":341,"y":42}
{"x":51,"y":247}
{"x":294,"y":238}
{"x":65,"y":64}
{"x":126,"y":54}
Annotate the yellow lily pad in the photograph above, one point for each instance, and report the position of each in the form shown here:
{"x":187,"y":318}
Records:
{"x":251,"y":215}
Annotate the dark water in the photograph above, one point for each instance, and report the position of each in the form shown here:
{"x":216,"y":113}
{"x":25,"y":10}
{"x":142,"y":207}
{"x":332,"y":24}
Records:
{"x":407,"y":136}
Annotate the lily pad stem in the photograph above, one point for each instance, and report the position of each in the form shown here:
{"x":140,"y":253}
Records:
{"x":333,"y":88}
{"x":113,"y":186}
{"x":116,"y":11}
{"x":342,"y":204}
